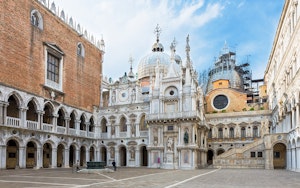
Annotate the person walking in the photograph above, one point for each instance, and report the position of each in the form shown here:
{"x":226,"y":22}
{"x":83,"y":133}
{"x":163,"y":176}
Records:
{"x":114,"y":165}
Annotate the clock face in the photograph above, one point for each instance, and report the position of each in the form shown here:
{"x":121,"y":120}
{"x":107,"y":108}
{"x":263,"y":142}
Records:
{"x":220,"y":102}
{"x":123,"y":95}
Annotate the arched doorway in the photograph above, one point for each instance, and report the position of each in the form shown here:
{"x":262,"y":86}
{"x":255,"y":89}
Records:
{"x":144,"y":156}
{"x":220,"y":151}
{"x":82,"y":156}
{"x":279,"y":156}
{"x":60,"y":155}
{"x":92,"y":154}
{"x":47,"y":150}
{"x":30,"y":155}
{"x":103,"y":155}
{"x":210,"y":156}
{"x":12,"y":154}
{"x":123,"y":156}
{"x":72,"y":155}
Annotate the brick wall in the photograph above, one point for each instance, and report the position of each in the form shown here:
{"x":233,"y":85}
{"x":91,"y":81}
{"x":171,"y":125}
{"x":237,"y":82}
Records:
{"x":22,"y":55}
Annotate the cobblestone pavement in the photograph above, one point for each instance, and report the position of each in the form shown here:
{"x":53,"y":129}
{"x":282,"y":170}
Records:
{"x":144,"y":177}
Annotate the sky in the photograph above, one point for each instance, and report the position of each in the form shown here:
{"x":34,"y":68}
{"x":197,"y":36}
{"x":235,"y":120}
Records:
{"x":248,"y":27}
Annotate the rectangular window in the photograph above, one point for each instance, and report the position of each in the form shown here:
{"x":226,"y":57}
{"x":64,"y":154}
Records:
{"x":252,"y":154}
{"x":170,"y":128}
{"x":52,"y":68}
{"x":259,"y":154}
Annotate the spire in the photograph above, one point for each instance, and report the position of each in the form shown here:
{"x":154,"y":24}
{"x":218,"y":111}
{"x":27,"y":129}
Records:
{"x":157,"y":47}
{"x":157,"y":30}
{"x":187,"y":49}
{"x":130,"y":74}
{"x":173,"y":50}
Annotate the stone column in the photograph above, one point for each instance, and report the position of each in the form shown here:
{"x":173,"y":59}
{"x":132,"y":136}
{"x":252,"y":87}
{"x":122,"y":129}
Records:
{"x":160,"y":137}
{"x":137,"y":157}
{"x":22,"y":112}
{"x":22,"y":157}
{"x":77,"y":155}
{"x":298,"y":159}
{"x":109,"y":131}
{"x":54,"y":158}
{"x":117,"y":156}
{"x":40,"y":119}
{"x":66,"y":157}
{"x":1,"y":117}
{"x":39,"y":157}
{"x":54,"y":121}
{"x":5,"y":113}
{"x":268,"y":159}
{"x":179,"y":135}
{"x":297,"y":116}
{"x":3,"y":157}
{"x":128,"y":132}
{"x":193,"y":135}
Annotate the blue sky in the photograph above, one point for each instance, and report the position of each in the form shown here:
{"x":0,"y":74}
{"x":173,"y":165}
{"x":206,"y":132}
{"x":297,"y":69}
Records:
{"x":127,"y":27}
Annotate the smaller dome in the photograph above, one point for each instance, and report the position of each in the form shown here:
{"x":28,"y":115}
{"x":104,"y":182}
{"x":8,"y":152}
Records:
{"x":157,"y":47}
{"x":178,"y":59}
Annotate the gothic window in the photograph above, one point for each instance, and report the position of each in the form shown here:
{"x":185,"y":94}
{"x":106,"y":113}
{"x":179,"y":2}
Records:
{"x":72,"y":120}
{"x":255,"y":131}
{"x":80,"y":50}
{"x":243,"y":132}
{"x":61,"y":118}
{"x":143,"y":125}
{"x":82,"y":123}
{"x":220,"y":133}
{"x":104,"y":126}
{"x":92,"y":125}
{"x":123,"y":126}
{"x":36,"y":19}
{"x":231,"y":132}
{"x":54,"y":66}
{"x":210,"y":133}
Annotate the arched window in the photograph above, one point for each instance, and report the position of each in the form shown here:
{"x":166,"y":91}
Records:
{"x":123,"y":126}
{"x":82,"y":123}
{"x":36,"y":19}
{"x":80,"y":50}
{"x":104,"y":126}
{"x":210,"y":133}
{"x":243,"y":132}
{"x":143,"y":125}
{"x":231,"y":132}
{"x":220,"y":133}
{"x":255,"y":132}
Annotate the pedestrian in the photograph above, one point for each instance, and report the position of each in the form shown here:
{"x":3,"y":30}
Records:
{"x":114,"y":165}
{"x":77,"y":166}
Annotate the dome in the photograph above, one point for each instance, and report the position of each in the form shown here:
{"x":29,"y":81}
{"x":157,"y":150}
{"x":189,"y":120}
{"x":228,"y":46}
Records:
{"x":235,"y":80}
{"x":146,"y":67}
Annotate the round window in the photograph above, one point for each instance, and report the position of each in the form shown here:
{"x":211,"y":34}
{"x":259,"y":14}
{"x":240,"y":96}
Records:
{"x":171,"y":92}
{"x":220,"y":102}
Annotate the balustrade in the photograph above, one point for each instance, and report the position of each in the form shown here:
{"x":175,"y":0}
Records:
{"x":11,"y":121}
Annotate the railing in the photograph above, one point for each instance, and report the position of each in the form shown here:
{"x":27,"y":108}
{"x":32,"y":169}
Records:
{"x":11,"y":121}
{"x":72,"y":132}
{"x":82,"y":133}
{"x":32,"y":125}
{"x":123,"y":134}
{"x":47,"y":127}
{"x":144,"y":133}
{"x":173,"y":115}
{"x":104,"y":135}
{"x":91,"y":134}
{"x":61,"y":130}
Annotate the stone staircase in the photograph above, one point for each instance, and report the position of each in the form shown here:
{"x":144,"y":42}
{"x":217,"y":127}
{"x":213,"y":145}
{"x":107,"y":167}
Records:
{"x":241,"y":158}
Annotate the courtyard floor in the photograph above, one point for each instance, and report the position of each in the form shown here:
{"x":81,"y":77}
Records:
{"x":144,"y":177}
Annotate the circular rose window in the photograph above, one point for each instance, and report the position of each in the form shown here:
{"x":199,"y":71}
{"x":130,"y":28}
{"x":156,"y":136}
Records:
{"x":220,"y":102}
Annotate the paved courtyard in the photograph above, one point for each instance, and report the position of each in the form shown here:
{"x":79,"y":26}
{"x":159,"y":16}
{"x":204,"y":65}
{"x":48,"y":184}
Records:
{"x":144,"y":177}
